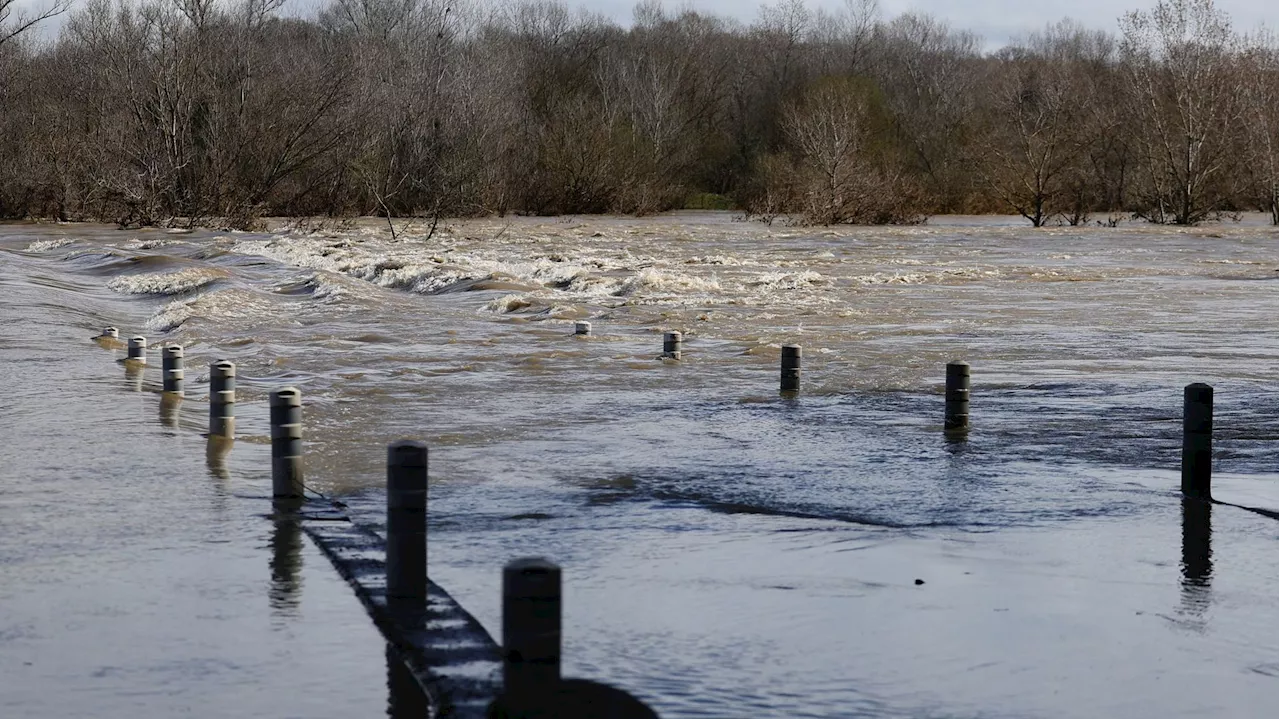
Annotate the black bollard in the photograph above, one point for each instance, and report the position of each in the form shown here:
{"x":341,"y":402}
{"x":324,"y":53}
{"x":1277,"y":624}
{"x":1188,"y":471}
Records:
{"x":407,"y":524}
{"x":1197,"y":440}
{"x":530,"y":629}
{"x":286,"y":443}
{"x":172,"y":369}
{"x":671,"y":345}
{"x":582,"y":328}
{"x":957,"y":406}
{"x":790,"y":377}
{"x":222,"y":399}
{"x":137,"y":350}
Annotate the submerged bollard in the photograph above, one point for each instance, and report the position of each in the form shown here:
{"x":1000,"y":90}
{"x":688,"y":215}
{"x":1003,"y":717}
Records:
{"x":671,"y":344}
{"x":137,"y":350}
{"x":957,"y":405}
{"x":582,"y":328}
{"x":286,"y":443}
{"x":530,"y":628}
{"x":407,"y":524}
{"x":790,"y":383}
{"x":1197,"y":440}
{"x":172,"y":369}
{"x":222,"y":399}
{"x":109,"y":333}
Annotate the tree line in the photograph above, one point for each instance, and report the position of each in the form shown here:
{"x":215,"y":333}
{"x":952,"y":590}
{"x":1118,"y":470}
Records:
{"x":155,"y":112}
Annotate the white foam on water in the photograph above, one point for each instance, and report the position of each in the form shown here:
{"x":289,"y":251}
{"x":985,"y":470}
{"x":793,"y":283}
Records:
{"x":46,"y":245}
{"x":650,"y":280}
{"x":166,"y":283}
{"x":509,"y":303}
{"x":140,"y":244}
{"x":787,"y":280}
{"x":230,"y":306}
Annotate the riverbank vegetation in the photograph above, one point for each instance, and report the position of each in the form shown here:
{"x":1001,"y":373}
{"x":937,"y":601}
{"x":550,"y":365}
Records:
{"x":224,"y":111}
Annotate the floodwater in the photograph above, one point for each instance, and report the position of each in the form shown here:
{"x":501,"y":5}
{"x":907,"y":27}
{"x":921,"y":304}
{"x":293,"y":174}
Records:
{"x":727,"y":552}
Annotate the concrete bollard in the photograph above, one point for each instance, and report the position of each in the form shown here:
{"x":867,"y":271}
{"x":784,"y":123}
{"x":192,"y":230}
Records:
{"x":1197,"y":440}
{"x":407,"y":524}
{"x":582,"y":328}
{"x":137,"y":350}
{"x":530,"y":628}
{"x":286,"y":443}
{"x":671,"y":344}
{"x":790,"y":383}
{"x":957,"y":403}
{"x":172,"y":369}
{"x":222,"y":399}
{"x":109,"y":333}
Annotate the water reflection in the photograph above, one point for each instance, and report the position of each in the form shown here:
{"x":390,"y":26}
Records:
{"x":405,"y":699}
{"x":286,"y":564}
{"x":956,"y":441}
{"x":169,"y":404}
{"x":215,"y":455}
{"x":133,"y":375}
{"x":1197,"y":556}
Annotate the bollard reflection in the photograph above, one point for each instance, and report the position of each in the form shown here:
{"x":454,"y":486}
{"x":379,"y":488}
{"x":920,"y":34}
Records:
{"x":955,"y":441}
{"x":1197,"y":555}
{"x":133,"y":375}
{"x":405,"y":699}
{"x":169,"y":404}
{"x":215,"y":455}
{"x":286,"y":564}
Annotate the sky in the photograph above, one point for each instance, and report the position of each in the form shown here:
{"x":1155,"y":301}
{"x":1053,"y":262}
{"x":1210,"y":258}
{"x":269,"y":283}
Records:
{"x":995,"y":20}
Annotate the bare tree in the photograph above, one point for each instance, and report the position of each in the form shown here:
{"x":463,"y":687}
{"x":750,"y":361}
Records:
{"x":1034,"y":149}
{"x":838,"y":177}
{"x":1178,"y":59}
{"x":926,"y":70}
{"x":14,"y":22}
{"x":1259,"y":129}
{"x":221,"y":111}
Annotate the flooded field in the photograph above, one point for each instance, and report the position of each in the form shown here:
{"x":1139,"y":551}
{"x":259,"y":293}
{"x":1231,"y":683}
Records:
{"x":726,"y":552}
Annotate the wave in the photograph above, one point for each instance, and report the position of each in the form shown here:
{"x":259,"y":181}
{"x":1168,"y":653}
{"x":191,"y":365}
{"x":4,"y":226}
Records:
{"x":921,"y":278}
{"x":321,"y":286}
{"x":47,"y":245}
{"x":140,"y":244}
{"x":166,"y":283}
{"x":229,"y":305}
{"x":787,"y":280}
{"x":509,"y":303}
{"x":655,"y":280}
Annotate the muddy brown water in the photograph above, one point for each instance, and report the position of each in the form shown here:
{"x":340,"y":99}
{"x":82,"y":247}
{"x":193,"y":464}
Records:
{"x":726,"y":552}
